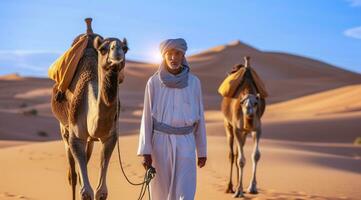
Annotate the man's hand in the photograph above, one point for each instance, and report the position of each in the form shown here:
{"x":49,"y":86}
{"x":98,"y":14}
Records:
{"x":147,"y":161}
{"x":202,"y":161}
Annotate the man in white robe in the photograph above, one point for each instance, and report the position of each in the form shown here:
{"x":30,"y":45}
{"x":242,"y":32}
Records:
{"x":172,"y":132}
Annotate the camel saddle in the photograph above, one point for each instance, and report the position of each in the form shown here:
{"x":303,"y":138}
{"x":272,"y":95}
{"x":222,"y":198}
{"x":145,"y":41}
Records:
{"x":233,"y":81}
{"x":64,"y":68}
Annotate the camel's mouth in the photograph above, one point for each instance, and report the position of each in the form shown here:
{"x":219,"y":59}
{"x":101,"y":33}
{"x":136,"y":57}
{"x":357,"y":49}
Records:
{"x":116,"y":64}
{"x":248,"y":123}
{"x":250,"y":116}
{"x":116,"y":61}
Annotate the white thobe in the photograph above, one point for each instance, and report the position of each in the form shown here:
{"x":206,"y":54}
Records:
{"x":174,"y":156}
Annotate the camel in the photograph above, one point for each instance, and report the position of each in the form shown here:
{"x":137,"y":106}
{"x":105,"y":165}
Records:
{"x":89,"y":111}
{"x":242,"y":115}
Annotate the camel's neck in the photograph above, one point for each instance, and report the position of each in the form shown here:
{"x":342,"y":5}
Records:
{"x":103,"y":104}
{"x":108,"y":88}
{"x":103,"y":95}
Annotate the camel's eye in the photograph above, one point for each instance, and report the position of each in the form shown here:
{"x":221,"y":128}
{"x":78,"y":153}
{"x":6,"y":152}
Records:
{"x":125,"y":48}
{"x":103,"y":49}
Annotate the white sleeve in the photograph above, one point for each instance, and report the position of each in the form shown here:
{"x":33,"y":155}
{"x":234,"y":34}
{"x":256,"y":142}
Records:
{"x":200,"y":133}
{"x":146,"y":126}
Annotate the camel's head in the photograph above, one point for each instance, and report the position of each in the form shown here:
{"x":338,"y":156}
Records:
{"x":111,"y":53}
{"x":250,"y":105}
{"x":249,"y":109}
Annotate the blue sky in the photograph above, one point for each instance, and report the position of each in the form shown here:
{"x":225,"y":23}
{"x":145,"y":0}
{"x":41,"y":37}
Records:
{"x":34,"y":33}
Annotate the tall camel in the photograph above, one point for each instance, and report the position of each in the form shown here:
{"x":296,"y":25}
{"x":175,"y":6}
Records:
{"x":242,"y":115}
{"x":89,"y":111}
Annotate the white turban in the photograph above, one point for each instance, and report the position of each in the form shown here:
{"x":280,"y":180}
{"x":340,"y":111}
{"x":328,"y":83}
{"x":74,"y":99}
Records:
{"x":180,"y":80}
{"x":179,"y":44}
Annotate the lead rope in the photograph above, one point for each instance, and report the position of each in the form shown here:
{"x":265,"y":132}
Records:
{"x":149,"y":173}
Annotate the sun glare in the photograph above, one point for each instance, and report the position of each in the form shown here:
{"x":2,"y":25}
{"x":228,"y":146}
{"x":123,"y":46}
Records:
{"x":156,"y":57}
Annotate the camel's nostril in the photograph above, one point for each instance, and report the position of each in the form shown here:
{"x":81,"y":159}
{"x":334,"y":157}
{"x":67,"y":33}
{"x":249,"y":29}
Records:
{"x":117,"y":59}
{"x":117,"y":56}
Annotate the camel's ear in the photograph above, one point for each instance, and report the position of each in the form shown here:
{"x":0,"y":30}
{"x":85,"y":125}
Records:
{"x":97,"y":42}
{"x":125,"y":45}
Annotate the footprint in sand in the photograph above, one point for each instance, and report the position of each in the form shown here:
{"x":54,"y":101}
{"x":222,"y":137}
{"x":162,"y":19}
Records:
{"x":9,"y":196}
{"x":295,"y":195}
{"x":6,"y":195}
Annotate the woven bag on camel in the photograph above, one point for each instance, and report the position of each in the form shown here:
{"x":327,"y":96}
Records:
{"x":236,"y":78}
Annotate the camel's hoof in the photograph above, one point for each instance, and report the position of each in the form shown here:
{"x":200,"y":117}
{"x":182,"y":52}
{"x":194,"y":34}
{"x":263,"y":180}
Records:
{"x":86,"y":195}
{"x":101,"y":196}
{"x":238,"y":194}
{"x":229,"y":190}
{"x":252,"y":190}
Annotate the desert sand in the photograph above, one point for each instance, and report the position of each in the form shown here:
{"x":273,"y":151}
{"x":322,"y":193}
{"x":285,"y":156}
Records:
{"x":307,"y":151}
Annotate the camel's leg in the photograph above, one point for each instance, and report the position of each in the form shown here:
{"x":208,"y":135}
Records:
{"x":72,"y":176}
{"x":230,"y":141}
{"x":77,"y":147}
{"x":89,"y":150}
{"x":106,"y":152}
{"x":240,"y":140}
{"x":256,"y":155}
{"x":236,"y":164}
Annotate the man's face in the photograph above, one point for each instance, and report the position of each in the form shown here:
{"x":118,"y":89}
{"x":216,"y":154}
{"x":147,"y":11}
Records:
{"x":173,"y":58}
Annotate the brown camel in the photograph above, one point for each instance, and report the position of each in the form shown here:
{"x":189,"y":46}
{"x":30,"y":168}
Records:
{"x":242,"y":115}
{"x":89,"y":111}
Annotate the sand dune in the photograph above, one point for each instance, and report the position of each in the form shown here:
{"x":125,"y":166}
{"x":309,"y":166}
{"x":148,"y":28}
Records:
{"x":11,"y":77}
{"x":341,"y":100}
{"x":16,"y":126}
{"x":10,"y":89}
{"x":286,"y":76}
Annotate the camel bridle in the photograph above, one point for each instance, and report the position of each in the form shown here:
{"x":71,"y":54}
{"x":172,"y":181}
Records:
{"x":150,"y":171}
